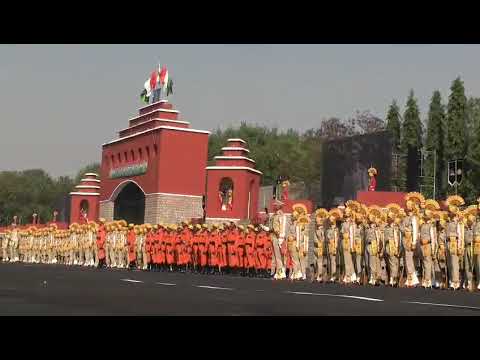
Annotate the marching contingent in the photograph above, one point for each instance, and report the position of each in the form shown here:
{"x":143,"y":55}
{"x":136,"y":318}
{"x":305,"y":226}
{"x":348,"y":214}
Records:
{"x":422,"y":244}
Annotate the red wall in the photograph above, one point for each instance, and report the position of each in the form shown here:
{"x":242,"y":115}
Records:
{"x":182,"y":162}
{"x":381,"y":198}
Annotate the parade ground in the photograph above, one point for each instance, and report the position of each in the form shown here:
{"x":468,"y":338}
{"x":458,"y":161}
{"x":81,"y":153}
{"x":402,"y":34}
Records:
{"x":36,"y":289}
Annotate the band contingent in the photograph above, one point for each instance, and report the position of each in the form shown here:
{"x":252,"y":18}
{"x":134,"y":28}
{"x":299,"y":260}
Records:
{"x":353,"y":244}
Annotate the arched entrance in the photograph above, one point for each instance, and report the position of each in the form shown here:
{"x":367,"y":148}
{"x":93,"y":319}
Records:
{"x":130,"y":204}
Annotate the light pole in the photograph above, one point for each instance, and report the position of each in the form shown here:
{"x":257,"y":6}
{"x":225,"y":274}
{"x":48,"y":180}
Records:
{"x":455,"y":173}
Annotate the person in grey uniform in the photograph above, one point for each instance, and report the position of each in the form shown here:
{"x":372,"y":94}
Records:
{"x":476,"y":250}
{"x":347,"y":245}
{"x":332,"y":236}
{"x":280,"y":230}
{"x":468,"y":261}
{"x":427,"y":241}
{"x":392,"y":246}
{"x":371,"y":249}
{"x":319,"y":247}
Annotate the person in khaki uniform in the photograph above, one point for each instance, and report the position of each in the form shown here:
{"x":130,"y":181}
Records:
{"x":296,"y":273}
{"x":372,"y":243}
{"x":320,"y":250}
{"x":348,"y":243}
{"x":333,"y":236}
{"x":455,"y":239}
{"x":280,"y":230}
{"x":13,"y":244}
{"x":301,"y":236}
{"x":470,"y":218}
{"x":440,"y":258}
{"x":5,"y":246}
{"x":411,"y":235}
{"x":392,"y":242}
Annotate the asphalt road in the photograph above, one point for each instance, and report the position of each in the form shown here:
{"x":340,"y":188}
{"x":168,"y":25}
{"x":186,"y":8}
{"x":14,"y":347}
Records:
{"x":27,"y":289}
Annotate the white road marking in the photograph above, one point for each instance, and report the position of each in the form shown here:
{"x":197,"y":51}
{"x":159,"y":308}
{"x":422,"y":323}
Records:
{"x":130,"y":280}
{"x":166,"y":284}
{"x":335,"y":295}
{"x":213,"y":287}
{"x":445,"y":305}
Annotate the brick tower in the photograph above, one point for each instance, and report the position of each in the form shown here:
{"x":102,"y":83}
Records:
{"x":84,"y":203}
{"x":233,"y":185}
{"x":155,"y":170}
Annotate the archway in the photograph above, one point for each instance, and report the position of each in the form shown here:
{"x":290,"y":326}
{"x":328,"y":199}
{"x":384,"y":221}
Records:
{"x":130,"y":204}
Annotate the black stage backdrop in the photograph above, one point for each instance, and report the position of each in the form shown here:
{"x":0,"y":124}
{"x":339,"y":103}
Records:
{"x":346,"y":162}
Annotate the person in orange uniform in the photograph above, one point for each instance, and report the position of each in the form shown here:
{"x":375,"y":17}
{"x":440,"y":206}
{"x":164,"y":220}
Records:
{"x":131,"y":242}
{"x":268,"y":249}
{"x":170,"y":246}
{"x":249,"y":259}
{"x":223,"y":256}
{"x":260,"y":247}
{"x":101,"y":237}
{"x":211,"y":249}
{"x":182,"y":254}
{"x":151,"y":249}
{"x":240,"y":248}
{"x":162,"y":248}
{"x":195,"y":252}
{"x":232,"y":235}
{"x":203,"y":248}
{"x":188,"y":239}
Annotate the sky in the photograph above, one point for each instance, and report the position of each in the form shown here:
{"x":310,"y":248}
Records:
{"x":59,"y":103}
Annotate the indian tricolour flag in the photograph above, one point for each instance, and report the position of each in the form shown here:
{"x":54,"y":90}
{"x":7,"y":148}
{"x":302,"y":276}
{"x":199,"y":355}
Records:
{"x":149,"y":86}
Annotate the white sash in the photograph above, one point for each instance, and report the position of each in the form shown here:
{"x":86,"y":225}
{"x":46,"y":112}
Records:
{"x":415,"y":229}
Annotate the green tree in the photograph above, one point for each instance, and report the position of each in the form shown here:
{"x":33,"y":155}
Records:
{"x":90,"y":168}
{"x":411,"y":143}
{"x":434,"y":144}
{"x":473,"y":169}
{"x":393,"y":124}
{"x":394,"y":128}
{"x":456,"y":140}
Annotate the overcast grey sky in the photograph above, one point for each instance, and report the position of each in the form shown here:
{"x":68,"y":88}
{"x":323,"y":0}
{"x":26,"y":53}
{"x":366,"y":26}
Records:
{"x":59,"y":103}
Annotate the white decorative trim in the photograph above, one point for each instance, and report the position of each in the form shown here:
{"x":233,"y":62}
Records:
{"x":159,"y":119}
{"x":87,"y":187}
{"x":234,"y":158}
{"x":233,"y":168}
{"x":235,"y":149}
{"x":222,"y":219}
{"x":84,"y":193}
{"x":155,"y":103}
{"x":157,"y":128}
{"x":123,"y":184}
{"x":91,"y":174}
{"x":183,"y":129}
{"x":104,"y":201}
{"x":170,"y":194}
{"x":151,"y":112}
{"x":94,"y":180}
{"x":237,"y":140}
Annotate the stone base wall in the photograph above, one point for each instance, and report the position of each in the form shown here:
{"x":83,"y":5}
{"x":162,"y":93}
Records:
{"x":162,"y":208}
{"x":106,"y":210}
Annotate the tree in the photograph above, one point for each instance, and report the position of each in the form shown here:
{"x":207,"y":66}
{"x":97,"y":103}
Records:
{"x":434,"y":144}
{"x":368,"y":123}
{"x":393,"y":124}
{"x":456,"y":141}
{"x":90,"y":168}
{"x":411,"y":143}
{"x":473,"y":116}
{"x":334,"y":128}
{"x":394,"y":128}
{"x":473,"y":170}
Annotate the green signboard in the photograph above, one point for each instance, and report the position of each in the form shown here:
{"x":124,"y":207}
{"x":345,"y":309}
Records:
{"x":131,"y":170}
